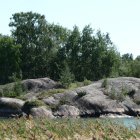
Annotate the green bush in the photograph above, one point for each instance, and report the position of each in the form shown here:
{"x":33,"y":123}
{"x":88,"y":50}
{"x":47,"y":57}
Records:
{"x":7,"y":92}
{"x":120,"y":97}
{"x":14,"y":89}
{"x":105,"y":83}
{"x":81,"y":94}
{"x":13,"y":92}
{"x":86,"y":82}
{"x":112,"y":94}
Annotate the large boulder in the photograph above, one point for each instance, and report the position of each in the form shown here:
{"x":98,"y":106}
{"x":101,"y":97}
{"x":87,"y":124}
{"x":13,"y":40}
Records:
{"x":10,"y":106}
{"x":42,"y":112}
{"x":128,"y":84}
{"x":67,"y":111}
{"x":51,"y":101}
{"x":40,"y":84}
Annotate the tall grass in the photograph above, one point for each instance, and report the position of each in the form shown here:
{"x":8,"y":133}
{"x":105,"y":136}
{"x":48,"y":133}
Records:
{"x":63,"y":129}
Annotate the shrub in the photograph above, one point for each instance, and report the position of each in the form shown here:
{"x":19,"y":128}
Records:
{"x":81,"y":94}
{"x":105,"y":83}
{"x":14,"y":89}
{"x":86,"y":82}
{"x":7,"y":92}
{"x":112,"y":94}
{"x":120,"y":97}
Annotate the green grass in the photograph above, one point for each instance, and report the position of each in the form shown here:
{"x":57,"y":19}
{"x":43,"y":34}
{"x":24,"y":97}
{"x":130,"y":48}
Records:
{"x":72,"y":86}
{"x":63,"y":129}
{"x":50,"y":93}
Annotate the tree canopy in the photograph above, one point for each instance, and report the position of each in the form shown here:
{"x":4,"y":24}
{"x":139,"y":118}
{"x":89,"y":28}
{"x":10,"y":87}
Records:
{"x":37,"y":48}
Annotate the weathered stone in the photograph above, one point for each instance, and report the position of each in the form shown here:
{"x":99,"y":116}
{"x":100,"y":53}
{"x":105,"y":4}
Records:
{"x":42,"y":112}
{"x":10,"y":106}
{"x":67,"y":111}
{"x":40,"y":84}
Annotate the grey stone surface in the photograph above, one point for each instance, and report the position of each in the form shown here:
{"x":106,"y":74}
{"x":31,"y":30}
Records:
{"x":40,"y":84}
{"x":88,"y":101}
{"x":10,"y":106}
{"x":42,"y":112}
{"x":67,"y":111}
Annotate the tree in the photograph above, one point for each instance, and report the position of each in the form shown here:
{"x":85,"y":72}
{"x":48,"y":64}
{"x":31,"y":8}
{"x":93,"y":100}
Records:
{"x":86,"y":51}
{"x":126,"y":65}
{"x":127,"y":57}
{"x":28,"y":30}
{"x":66,"y":77}
{"x":138,"y":58}
{"x":135,"y":67}
{"x":72,"y":51}
{"x":9,"y":58}
{"x":40,"y":42}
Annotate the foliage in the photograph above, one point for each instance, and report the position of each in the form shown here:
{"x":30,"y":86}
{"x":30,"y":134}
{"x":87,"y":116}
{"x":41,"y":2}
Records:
{"x":14,"y":89}
{"x":40,"y":49}
{"x":66,"y":77}
{"x":119,"y":96}
{"x":81,"y":94}
{"x":129,"y":67}
{"x":86,"y":82}
{"x":105,"y":83}
{"x":112,"y":94}
{"x":17,"y":88}
{"x":50,"y":93}
{"x":9,"y":58}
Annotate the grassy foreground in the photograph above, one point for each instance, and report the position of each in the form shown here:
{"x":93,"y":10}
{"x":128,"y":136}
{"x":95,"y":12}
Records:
{"x":64,"y":129}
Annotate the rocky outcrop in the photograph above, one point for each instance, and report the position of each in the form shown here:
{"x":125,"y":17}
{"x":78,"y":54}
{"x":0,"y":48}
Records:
{"x":93,"y":101}
{"x":31,"y":86}
{"x":119,"y":97}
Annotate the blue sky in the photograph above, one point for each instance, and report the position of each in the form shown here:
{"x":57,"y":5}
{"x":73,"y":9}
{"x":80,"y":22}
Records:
{"x":121,"y":18}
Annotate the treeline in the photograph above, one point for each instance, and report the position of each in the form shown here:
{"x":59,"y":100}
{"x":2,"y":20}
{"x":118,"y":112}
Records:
{"x":37,"y":48}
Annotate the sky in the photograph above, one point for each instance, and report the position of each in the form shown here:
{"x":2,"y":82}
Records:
{"x":120,"y":18}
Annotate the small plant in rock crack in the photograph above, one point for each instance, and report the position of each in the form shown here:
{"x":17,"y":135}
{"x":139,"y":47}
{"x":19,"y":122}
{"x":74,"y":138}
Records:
{"x":105,"y":83}
{"x":121,"y":96}
{"x":112,"y":94}
{"x":81,"y":94}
